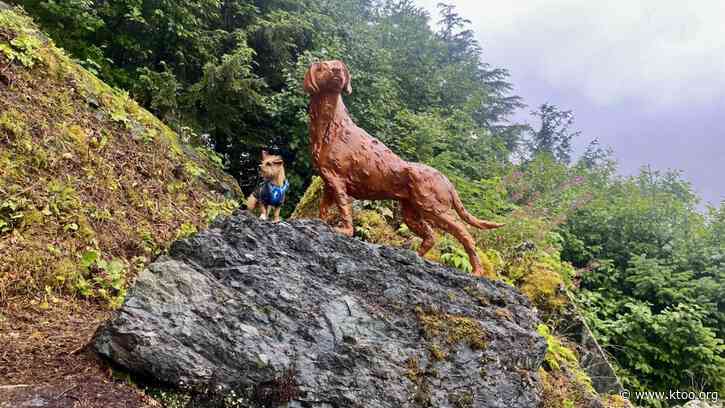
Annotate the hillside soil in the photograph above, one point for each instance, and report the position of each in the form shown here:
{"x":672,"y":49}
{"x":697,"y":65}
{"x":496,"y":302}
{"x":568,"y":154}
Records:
{"x":92,"y":188}
{"x":45,"y":361}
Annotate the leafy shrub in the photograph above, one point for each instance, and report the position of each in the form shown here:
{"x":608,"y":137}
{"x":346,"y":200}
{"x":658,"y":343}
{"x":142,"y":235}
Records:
{"x":453,"y":254}
{"x":101,"y":278}
{"x":23,"y":48}
{"x":11,"y":213}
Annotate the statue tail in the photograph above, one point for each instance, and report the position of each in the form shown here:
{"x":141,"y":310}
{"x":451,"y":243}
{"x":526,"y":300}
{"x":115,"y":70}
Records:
{"x":467,"y":217}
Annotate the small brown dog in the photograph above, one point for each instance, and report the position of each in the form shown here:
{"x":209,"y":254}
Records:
{"x":271,"y":192}
{"x":354,"y":164}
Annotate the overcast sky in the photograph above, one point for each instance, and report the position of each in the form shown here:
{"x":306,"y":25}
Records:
{"x":644,"y":77}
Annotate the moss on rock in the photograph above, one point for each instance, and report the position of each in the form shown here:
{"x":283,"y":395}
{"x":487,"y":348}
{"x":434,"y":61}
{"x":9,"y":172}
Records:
{"x":450,"y":330}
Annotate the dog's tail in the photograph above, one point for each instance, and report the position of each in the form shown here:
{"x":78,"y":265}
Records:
{"x":467,"y":217}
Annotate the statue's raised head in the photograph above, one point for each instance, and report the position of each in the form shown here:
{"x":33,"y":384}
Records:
{"x":328,"y":77}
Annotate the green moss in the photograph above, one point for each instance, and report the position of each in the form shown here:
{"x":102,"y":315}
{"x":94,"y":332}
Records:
{"x":461,"y":399}
{"x":436,"y":352}
{"x":421,"y":390}
{"x":193,"y":170}
{"x":214,"y":209}
{"x":309,"y":204}
{"x":13,"y":123}
{"x":66,"y":271}
{"x":560,"y":390}
{"x":452,"y":330}
{"x":372,"y":226}
{"x":544,"y":287}
{"x":185,"y":230}
{"x":556,"y":353}
{"x":615,"y":401}
{"x":564,"y":382}
{"x":16,"y":20}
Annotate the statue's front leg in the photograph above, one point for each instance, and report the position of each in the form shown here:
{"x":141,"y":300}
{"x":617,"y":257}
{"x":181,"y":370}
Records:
{"x":335,"y":192}
{"x":326,"y":200}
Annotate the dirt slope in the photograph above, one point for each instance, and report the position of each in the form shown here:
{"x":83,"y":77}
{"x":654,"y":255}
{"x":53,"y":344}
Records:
{"x":92,"y":188}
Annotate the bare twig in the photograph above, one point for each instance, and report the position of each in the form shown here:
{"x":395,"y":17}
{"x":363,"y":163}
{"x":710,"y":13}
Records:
{"x":79,"y":349}
{"x":10,"y":387}
{"x":64,"y":392}
{"x":25,"y":190}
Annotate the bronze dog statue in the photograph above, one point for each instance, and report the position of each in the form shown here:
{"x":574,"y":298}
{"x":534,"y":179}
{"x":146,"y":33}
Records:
{"x":354,"y":164}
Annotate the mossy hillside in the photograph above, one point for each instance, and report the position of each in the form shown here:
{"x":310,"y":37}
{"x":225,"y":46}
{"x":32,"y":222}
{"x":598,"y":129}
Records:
{"x":91,"y":185}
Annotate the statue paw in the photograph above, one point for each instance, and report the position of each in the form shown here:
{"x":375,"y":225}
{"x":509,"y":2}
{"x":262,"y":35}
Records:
{"x":345,"y":231}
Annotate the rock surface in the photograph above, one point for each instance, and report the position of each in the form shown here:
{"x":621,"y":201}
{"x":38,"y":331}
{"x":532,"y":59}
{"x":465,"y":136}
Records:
{"x":294,"y":312}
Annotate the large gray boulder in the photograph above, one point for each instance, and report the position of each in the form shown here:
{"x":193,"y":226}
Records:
{"x":295,"y":313}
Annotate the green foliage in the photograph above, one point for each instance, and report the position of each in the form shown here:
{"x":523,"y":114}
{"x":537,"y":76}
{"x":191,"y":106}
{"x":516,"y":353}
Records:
{"x":185,"y":230}
{"x":11,"y":213}
{"x":83,"y":166}
{"x":102,"y":278}
{"x":454,"y":255}
{"x":233,"y":71}
{"x":23,"y":49}
{"x":556,"y":353}
{"x":652,"y":280}
{"x":674,"y":346}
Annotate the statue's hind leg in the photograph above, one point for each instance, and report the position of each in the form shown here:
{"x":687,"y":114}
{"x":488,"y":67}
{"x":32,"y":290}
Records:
{"x":448,"y":223}
{"x":417,"y":224}
{"x":326,"y":201}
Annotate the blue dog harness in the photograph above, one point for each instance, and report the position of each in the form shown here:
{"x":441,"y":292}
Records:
{"x":272,"y":194}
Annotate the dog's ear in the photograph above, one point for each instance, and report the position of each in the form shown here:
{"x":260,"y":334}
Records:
{"x":310,"y":83}
{"x":348,"y":80}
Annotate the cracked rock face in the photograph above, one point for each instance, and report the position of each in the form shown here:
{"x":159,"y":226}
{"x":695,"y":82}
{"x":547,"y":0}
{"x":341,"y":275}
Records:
{"x":293,"y":312}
